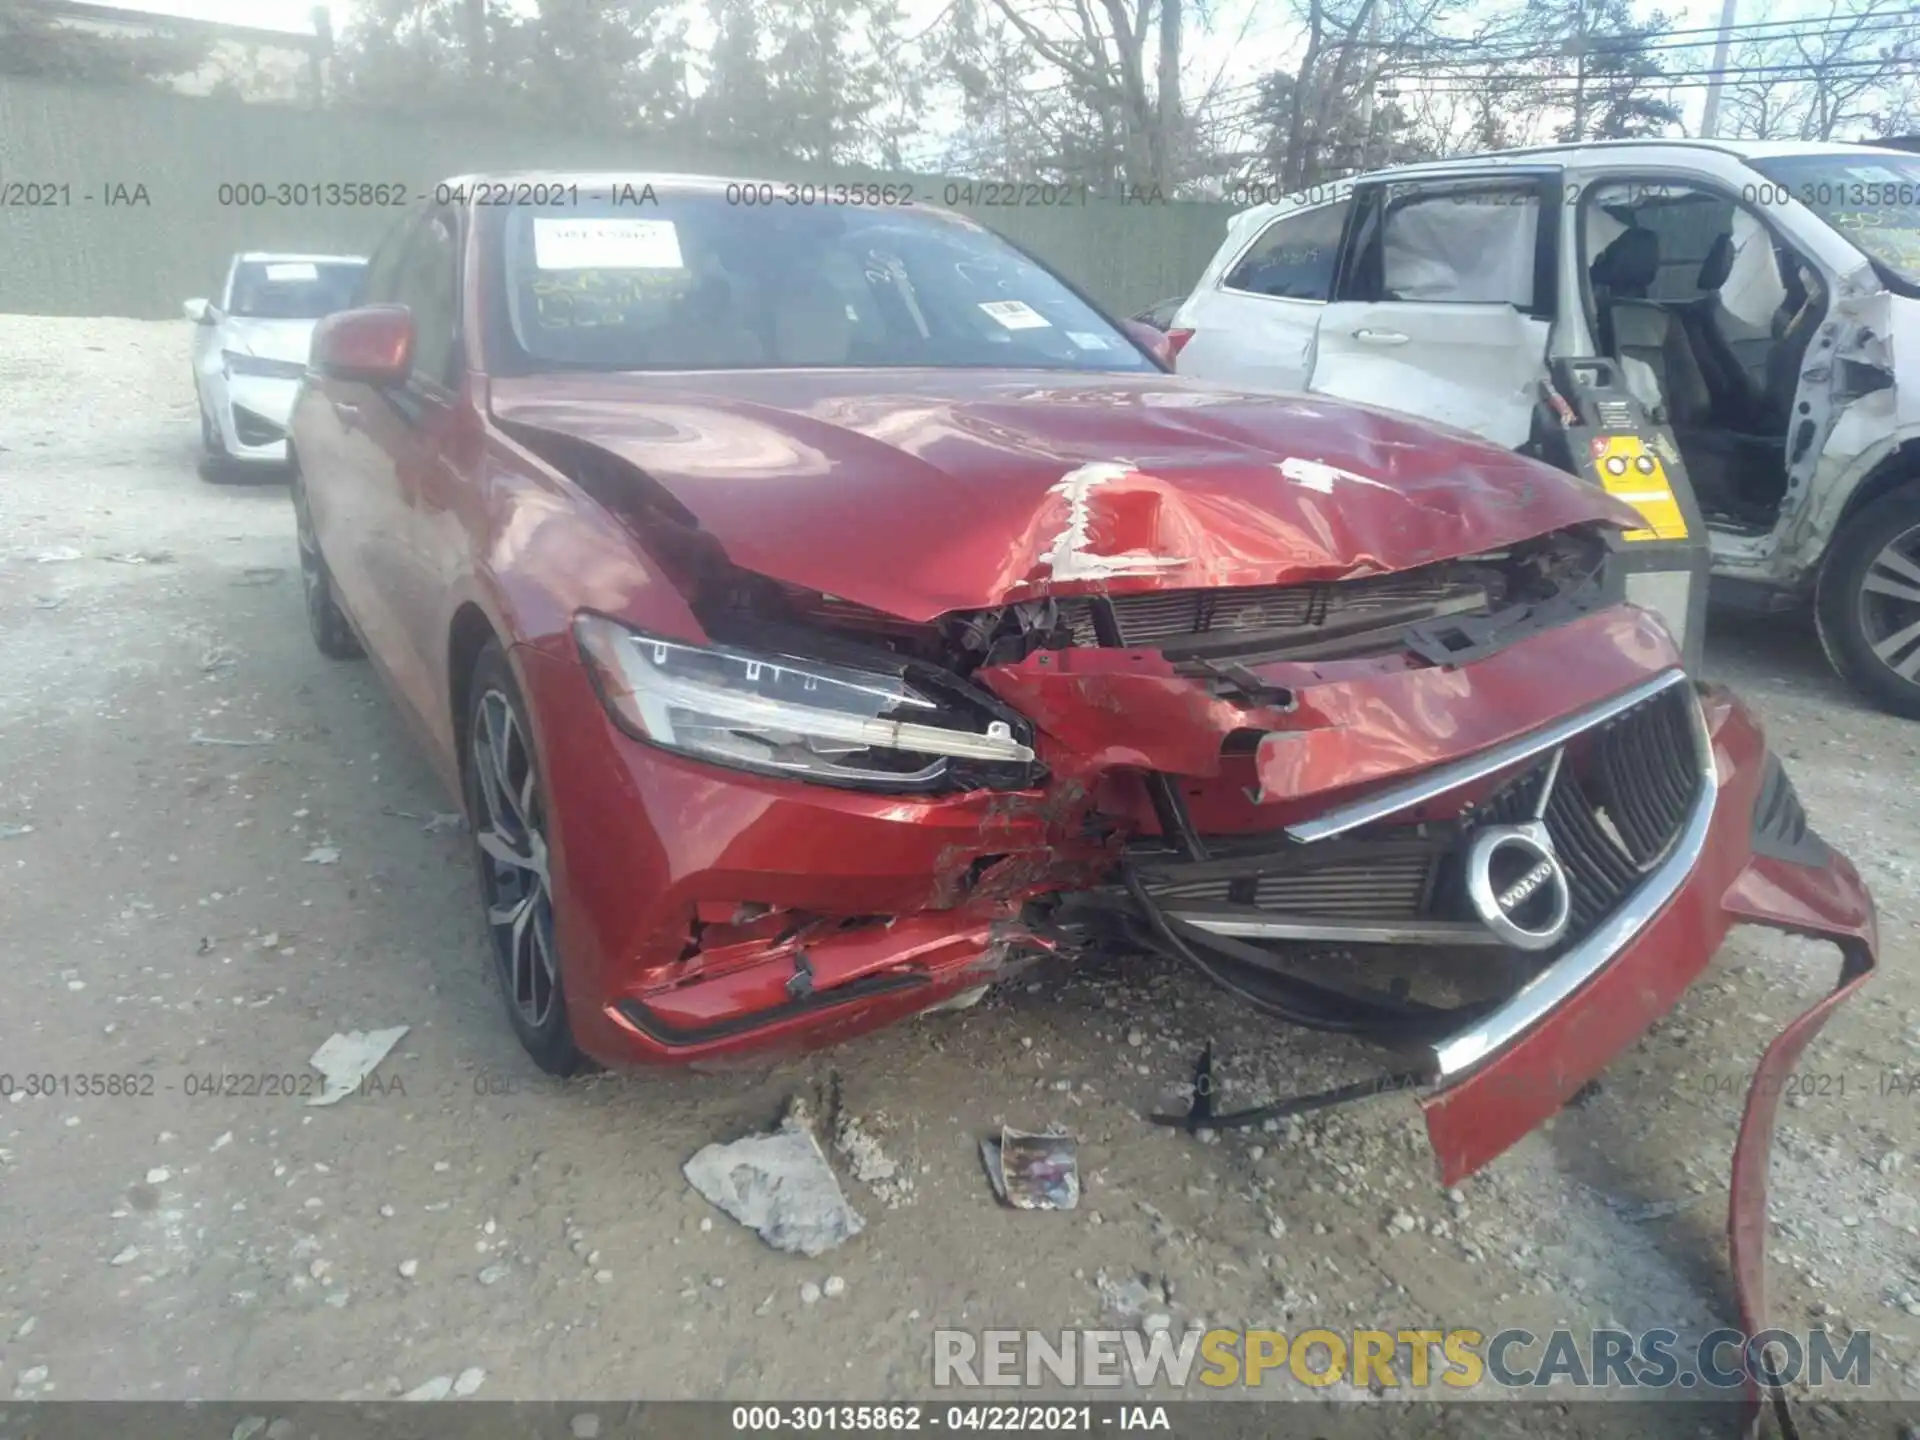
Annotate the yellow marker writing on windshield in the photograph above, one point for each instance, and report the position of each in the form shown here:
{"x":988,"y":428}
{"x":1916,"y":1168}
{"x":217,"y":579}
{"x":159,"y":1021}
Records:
{"x":1631,"y":474}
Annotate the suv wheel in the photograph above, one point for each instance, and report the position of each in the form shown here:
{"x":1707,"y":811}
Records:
{"x":1868,"y":606}
{"x":215,"y":462}
{"x":331,"y":632}
{"x":507,"y":809}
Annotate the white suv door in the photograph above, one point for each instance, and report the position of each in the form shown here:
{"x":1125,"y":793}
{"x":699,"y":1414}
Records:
{"x":1445,"y":300}
{"x":1250,"y":321}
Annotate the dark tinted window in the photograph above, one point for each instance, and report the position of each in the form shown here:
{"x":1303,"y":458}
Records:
{"x":692,"y":282}
{"x":427,"y":284}
{"x":293,"y":289}
{"x":1294,"y":256}
{"x":382,"y":272}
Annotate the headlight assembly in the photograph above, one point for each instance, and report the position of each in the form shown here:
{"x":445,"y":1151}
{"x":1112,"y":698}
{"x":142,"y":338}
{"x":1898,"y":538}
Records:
{"x":804,"y":718}
{"x":239,"y":363}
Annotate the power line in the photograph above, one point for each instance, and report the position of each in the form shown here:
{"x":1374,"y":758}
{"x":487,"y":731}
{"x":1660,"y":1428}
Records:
{"x":1837,"y":24}
{"x":1599,"y":49}
{"x":1657,"y":79}
{"x":1633,"y":44}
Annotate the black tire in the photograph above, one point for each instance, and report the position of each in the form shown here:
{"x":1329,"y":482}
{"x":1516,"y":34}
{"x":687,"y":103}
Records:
{"x":1868,"y":603}
{"x":328,"y":623}
{"x":216,"y":465}
{"x":506,"y":804}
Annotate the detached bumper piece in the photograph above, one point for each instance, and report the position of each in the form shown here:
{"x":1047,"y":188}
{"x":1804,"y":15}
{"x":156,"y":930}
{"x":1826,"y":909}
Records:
{"x":1667,"y":822}
{"x":1531,"y":864}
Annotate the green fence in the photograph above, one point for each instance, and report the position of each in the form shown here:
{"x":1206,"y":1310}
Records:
{"x":111,"y":199}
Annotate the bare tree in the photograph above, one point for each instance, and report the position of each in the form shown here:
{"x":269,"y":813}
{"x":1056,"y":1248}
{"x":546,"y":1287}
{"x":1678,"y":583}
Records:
{"x":1849,"y":70}
{"x":1120,"y":59}
{"x":1332,"y":113}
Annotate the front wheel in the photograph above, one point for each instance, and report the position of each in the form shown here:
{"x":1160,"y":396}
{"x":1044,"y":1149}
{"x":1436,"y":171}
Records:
{"x":216,"y":464}
{"x":325,"y":619}
{"x":508,"y":810}
{"x":1868,"y":604}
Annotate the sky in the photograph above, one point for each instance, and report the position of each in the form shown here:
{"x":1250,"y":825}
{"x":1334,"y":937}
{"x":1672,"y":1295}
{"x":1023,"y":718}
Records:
{"x":1246,"y":38}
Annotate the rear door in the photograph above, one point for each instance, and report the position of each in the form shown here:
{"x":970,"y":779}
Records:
{"x":353,"y":439}
{"x":410,"y":426}
{"x":1445,"y":300}
{"x":1253,"y":315}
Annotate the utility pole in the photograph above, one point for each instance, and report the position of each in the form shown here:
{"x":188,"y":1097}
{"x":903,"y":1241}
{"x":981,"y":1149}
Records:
{"x":318,"y":56}
{"x":1710,"y":117}
{"x":1370,"y":79}
{"x":1580,"y":72}
{"x":475,"y":16}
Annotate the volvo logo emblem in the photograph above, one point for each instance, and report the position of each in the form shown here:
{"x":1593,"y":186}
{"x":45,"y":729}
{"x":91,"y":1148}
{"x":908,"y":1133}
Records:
{"x":1517,"y":885}
{"x":1515,"y":882}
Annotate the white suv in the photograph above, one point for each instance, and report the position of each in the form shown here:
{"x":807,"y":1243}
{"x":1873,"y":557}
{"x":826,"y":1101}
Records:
{"x":1756,"y":296}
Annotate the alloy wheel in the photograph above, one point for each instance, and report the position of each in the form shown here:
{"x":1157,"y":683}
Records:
{"x":513,"y":847}
{"x":1889,"y":601}
{"x":313,"y":576}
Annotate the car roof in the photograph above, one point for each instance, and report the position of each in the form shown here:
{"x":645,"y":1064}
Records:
{"x":279,"y":257}
{"x":669,"y":180}
{"x":683,"y":183}
{"x":1732,"y":149}
{"x":1729,"y":154}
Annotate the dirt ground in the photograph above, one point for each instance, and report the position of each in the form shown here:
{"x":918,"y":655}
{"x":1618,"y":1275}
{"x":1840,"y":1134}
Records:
{"x":178,"y":763}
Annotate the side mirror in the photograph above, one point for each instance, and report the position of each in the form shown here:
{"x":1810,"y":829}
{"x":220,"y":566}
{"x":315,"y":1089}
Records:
{"x":201,"y":312}
{"x":1153,"y":341}
{"x":371,"y":345}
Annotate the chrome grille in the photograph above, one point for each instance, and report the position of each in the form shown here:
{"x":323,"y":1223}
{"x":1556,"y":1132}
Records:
{"x":1165,"y":615}
{"x":1615,"y":815}
{"x":1387,"y":888}
{"x":1615,"y":821}
{"x":1622,"y":794}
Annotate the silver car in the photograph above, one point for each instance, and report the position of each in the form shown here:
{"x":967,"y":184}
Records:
{"x":250,"y":349}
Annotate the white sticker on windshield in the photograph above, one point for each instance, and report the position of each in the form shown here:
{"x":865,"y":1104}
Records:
{"x":1870,"y":175}
{"x":1086,"y":341}
{"x":293,"y":270}
{"x":1016,"y":314}
{"x":605,"y":244}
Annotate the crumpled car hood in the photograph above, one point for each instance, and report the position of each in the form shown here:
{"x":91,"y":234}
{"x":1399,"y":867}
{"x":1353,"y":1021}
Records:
{"x":922,"y":492}
{"x":271,"y":339}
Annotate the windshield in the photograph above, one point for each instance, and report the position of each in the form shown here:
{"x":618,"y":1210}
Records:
{"x":1874,"y":200}
{"x":697,"y":282}
{"x":293,"y":289}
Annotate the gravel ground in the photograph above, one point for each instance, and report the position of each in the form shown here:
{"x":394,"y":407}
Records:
{"x":186,"y":763}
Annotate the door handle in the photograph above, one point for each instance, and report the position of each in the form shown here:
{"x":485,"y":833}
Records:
{"x":1380,"y":337}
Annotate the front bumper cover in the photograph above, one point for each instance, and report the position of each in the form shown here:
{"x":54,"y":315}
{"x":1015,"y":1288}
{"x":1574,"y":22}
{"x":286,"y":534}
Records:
{"x":1759,"y":865}
{"x":945,"y":882}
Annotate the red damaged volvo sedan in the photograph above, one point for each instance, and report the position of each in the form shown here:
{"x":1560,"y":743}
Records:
{"x":819,"y":609}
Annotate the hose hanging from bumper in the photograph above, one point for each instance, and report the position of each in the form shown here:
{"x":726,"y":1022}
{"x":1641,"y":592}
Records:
{"x":1297,"y":1002}
{"x":1390,"y":1023}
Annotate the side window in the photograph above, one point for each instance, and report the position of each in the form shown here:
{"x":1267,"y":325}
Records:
{"x":1476,"y":243}
{"x":383,"y":266}
{"x":426,"y":283}
{"x":1294,"y":256}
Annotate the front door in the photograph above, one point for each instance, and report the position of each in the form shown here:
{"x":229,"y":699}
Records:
{"x":1444,"y":302}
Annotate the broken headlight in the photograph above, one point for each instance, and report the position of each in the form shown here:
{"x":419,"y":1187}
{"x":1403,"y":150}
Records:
{"x":787,"y":715}
{"x":238,"y":362}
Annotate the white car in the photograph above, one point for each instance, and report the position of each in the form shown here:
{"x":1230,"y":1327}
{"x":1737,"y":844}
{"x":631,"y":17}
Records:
{"x":250,"y":349}
{"x":1762,"y":298}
